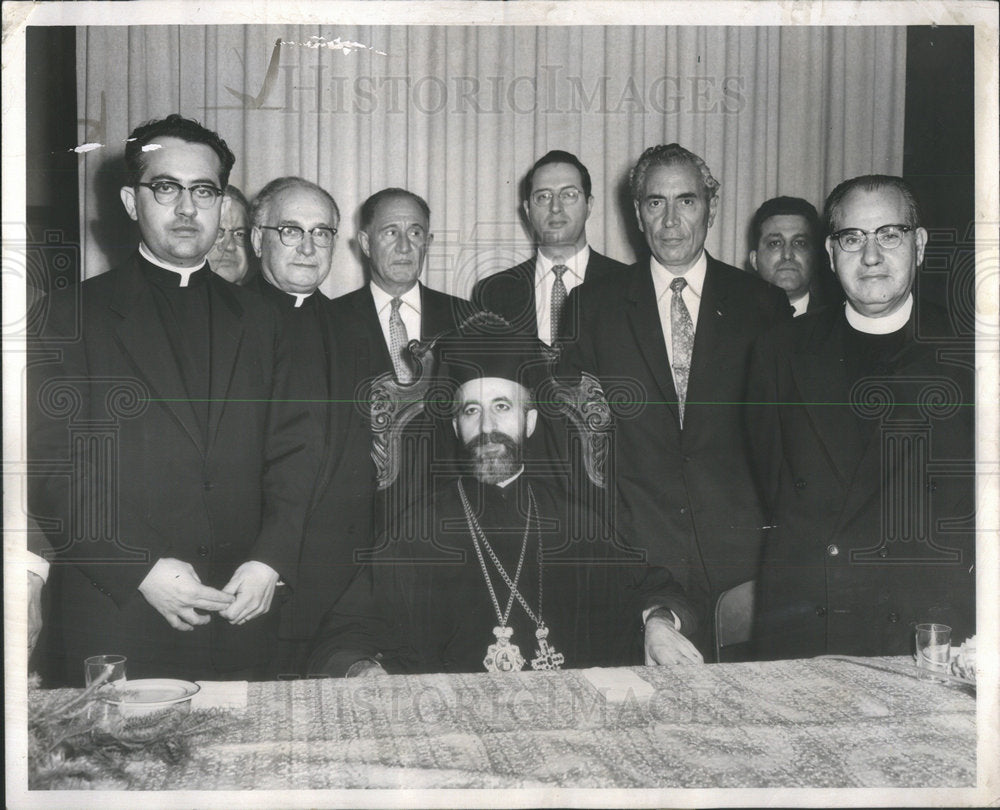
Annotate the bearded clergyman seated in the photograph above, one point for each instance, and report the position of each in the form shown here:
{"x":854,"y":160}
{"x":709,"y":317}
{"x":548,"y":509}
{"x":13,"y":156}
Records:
{"x":504,"y":580}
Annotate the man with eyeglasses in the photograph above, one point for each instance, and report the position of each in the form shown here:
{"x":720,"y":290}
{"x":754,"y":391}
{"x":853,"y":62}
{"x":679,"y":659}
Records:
{"x":532,"y":295}
{"x":674,"y":332}
{"x":294,"y":234}
{"x":230,"y":255}
{"x":861,"y":423}
{"x":786,"y":250}
{"x":178,"y":508}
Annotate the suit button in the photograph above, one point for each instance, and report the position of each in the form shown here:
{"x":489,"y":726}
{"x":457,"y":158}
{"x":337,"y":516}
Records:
{"x":931,"y":486}
{"x":800,"y":484}
{"x":832,"y":550}
{"x":683,"y":510}
{"x":687,"y":458}
{"x":208,"y":485}
{"x":95,"y":584}
{"x":893,"y":617}
{"x":820,"y":611}
{"x":202,"y":551}
{"x":883,"y":552}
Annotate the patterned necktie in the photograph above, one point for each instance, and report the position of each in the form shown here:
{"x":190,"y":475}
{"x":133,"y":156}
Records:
{"x":557,"y":301}
{"x":397,"y":343}
{"x":682,"y":338}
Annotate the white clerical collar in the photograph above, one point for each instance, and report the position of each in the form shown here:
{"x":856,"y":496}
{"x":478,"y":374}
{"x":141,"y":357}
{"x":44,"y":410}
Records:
{"x":892,"y":322}
{"x":382,"y":299}
{"x":300,"y":298}
{"x":184,"y":272}
{"x":695,"y":276}
{"x":512,"y":479}
{"x":577,"y":264}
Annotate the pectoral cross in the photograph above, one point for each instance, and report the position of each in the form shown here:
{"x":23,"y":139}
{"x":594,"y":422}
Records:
{"x":547,"y":658}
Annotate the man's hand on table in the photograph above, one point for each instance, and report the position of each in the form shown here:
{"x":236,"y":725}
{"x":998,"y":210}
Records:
{"x":172,"y":587}
{"x":365,"y":668}
{"x":665,"y":644}
{"x":253,"y":585}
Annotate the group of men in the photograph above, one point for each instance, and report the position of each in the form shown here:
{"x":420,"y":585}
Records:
{"x":213,"y":493}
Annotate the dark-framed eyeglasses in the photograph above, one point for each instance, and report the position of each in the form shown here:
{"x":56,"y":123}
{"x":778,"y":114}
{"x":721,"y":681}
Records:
{"x":292,"y":235}
{"x":567,"y":196}
{"x":239,"y":234}
{"x":167,"y":192}
{"x":889,"y":237}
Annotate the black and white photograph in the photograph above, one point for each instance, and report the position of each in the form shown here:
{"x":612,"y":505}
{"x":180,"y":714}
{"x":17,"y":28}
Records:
{"x":501,"y":404}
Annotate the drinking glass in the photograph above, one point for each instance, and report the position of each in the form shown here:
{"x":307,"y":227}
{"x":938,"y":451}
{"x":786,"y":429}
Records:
{"x":97,"y":665}
{"x":933,"y":647}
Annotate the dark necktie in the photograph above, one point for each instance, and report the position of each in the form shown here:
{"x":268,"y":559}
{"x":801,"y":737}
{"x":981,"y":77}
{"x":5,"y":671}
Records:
{"x":682,"y":338}
{"x":397,"y":343}
{"x":557,"y":300}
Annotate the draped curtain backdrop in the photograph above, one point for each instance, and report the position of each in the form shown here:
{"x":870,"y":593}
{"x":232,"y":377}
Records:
{"x":458,"y":115}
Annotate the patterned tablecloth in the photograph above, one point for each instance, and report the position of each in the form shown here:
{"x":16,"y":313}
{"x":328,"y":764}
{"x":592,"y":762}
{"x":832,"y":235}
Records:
{"x":816,"y":723}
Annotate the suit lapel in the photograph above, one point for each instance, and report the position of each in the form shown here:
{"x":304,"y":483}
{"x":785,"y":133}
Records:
{"x":713,"y":323}
{"x":373,"y":355}
{"x":644,"y":320}
{"x":142,"y":339}
{"x":227,"y":337}
{"x":819,"y":370}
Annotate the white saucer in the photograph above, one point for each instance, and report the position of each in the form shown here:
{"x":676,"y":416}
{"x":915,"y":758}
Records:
{"x":149,"y":695}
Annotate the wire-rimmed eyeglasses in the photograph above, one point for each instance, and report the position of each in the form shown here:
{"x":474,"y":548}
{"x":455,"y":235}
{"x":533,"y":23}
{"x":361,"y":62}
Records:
{"x":567,"y":196}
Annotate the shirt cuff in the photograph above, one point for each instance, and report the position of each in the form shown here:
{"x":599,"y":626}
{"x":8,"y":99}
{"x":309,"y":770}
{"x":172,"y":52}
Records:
{"x":36,"y":565}
{"x":649,"y":611}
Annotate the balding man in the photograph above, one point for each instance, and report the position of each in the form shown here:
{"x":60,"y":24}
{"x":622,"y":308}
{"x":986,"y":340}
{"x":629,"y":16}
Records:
{"x":856,"y":405}
{"x":294,"y":234}
{"x":376,"y":322}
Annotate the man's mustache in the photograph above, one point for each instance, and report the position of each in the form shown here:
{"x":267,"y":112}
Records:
{"x":491,"y":437}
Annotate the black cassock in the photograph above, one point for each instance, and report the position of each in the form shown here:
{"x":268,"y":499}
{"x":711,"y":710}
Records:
{"x":425,"y":606}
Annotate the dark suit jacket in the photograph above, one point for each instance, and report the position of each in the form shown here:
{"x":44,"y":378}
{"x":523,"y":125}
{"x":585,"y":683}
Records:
{"x":365,"y":355}
{"x":867,"y":537}
{"x":511,"y":293}
{"x":135,"y":480}
{"x":686,"y":497}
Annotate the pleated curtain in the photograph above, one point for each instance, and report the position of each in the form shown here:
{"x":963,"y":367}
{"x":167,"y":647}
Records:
{"x":458,"y":114}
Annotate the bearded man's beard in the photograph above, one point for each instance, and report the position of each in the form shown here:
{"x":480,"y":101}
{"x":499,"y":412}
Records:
{"x":497,"y":464}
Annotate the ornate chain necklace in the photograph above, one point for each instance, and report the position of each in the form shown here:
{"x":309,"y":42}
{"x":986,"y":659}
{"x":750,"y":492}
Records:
{"x":503,"y":656}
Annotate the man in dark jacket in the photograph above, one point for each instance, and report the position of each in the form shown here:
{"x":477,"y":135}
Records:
{"x":862,"y":430}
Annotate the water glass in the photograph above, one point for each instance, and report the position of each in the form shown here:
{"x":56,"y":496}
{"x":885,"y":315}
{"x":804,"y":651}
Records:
{"x":933,"y":647}
{"x":97,"y":665}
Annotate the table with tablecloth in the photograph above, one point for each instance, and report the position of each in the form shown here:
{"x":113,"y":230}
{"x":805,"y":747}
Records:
{"x":808,"y":723}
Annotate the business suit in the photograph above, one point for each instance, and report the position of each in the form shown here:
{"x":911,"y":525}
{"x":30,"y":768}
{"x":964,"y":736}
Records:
{"x":211,"y":483}
{"x":687,"y":497}
{"x":511,"y":293}
{"x":362,"y":347}
{"x":855,"y":505}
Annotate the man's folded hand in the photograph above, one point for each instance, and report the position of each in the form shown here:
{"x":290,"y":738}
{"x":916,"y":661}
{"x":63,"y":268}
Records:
{"x":253,"y":585}
{"x":172,"y":587}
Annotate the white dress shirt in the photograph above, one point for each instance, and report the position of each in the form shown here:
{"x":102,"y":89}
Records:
{"x":691,"y":294}
{"x":409,"y":311}
{"x":545,"y":279}
{"x":880,"y":326}
{"x":800,"y":305}
{"x":184,"y":272}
